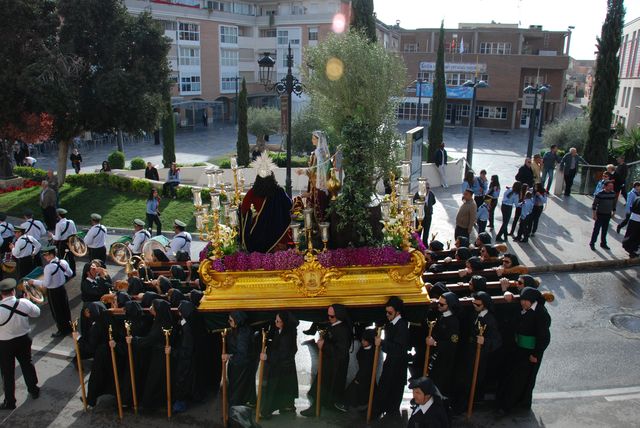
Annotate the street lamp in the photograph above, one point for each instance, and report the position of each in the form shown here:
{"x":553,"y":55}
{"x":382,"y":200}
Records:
{"x":538,"y":89}
{"x":287,"y":85}
{"x":475,"y":84}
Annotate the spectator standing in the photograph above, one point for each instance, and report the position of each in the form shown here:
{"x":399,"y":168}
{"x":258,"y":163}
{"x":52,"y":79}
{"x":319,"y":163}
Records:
{"x":173,"y":181}
{"x":516,"y":218}
{"x":482,"y":215}
{"x":569,"y":167}
{"x":630,"y":197}
{"x":525,"y":218}
{"x":153,"y":212}
{"x":494,"y":193}
{"x":621,"y":178}
{"x":549,"y":161}
{"x":151,"y":172}
{"x":510,"y":199}
{"x":525,"y":173}
{"x":631,"y":239}
{"x":466,"y":217}
{"x":536,"y":167}
{"x":480,"y":187}
{"x":469,"y":181}
{"x":441,"y":164}
{"x":539,"y":202}
{"x":429,"y":202}
{"x":76,"y":160}
{"x":48,"y":205}
{"x":604,"y":208}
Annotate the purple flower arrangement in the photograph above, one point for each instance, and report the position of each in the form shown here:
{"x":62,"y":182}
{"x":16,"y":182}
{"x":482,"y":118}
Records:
{"x":291,"y":259}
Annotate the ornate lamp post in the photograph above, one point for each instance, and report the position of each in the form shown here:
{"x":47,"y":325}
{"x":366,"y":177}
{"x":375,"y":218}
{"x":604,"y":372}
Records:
{"x":475,"y":84}
{"x":287,"y":85}
{"x":538,"y":89}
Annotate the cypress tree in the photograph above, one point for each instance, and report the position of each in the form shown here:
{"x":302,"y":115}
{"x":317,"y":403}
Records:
{"x":606,"y":83}
{"x":439,"y":100}
{"x":242,"y":146}
{"x":168,"y":137}
{"x":362,"y":19}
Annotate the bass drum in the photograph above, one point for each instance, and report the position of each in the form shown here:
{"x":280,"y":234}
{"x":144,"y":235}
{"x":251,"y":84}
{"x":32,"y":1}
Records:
{"x":120,"y":252}
{"x":76,"y":245}
{"x":156,"y":243}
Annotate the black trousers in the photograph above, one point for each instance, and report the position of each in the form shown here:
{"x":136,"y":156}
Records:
{"x":25,"y":265}
{"x":600,"y":226}
{"x":59,"y":305}
{"x":525,"y":227}
{"x":98,"y":253}
{"x":535,"y":217}
{"x":516,"y":218}
{"x":151,"y":219}
{"x":461,"y":231}
{"x":506,"y":216}
{"x":568,"y":180}
{"x":624,"y":222}
{"x":482,"y":225}
{"x":492,"y":211}
{"x":390,"y":387}
{"x":63,"y":253}
{"x":426,"y":227}
{"x":19,"y":349}
{"x":50,"y":215}
{"x":631,"y":240}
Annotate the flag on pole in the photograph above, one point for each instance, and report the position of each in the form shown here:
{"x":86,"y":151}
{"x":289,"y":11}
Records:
{"x":462,"y":45}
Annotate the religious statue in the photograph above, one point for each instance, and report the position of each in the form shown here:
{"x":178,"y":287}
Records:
{"x":318,"y":172}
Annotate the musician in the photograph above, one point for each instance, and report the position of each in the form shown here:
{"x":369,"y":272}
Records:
{"x":56,"y":274}
{"x":335,"y":344}
{"x":444,"y":343}
{"x":6,"y":234}
{"x":427,"y":407}
{"x":95,"y":283}
{"x":25,"y":250}
{"x":96,"y":239}
{"x":394,"y":370}
{"x":33,"y":227}
{"x":281,"y":378}
{"x":15,"y":343}
{"x":241,"y":366}
{"x":64,"y":229}
{"x":532,"y":339}
{"x":181,"y":241}
{"x":140,"y":236}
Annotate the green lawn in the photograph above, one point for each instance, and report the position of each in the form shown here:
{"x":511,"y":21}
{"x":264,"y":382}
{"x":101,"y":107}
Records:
{"x":117,"y":209}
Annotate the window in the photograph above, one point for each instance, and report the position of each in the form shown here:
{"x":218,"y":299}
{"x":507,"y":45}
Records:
{"x":426,"y":76}
{"x":190,"y":83}
{"x":533,"y":80}
{"x":491,"y":112}
{"x":168,"y":25}
{"x":455,"y":79}
{"x":228,"y":84}
{"x":495,"y":48}
{"x":297,"y":9}
{"x":228,"y":58}
{"x":409,"y":110}
{"x":283,"y":37}
{"x":189,"y":32}
{"x":286,"y":37}
{"x":222,"y":6}
{"x":411,"y":47}
{"x":267,"y":32}
{"x":189,"y":56}
{"x":229,"y":35}
{"x":313,"y":33}
{"x":243,"y":9}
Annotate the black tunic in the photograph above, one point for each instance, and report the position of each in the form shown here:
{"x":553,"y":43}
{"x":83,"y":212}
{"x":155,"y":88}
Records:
{"x":241,"y":368}
{"x":436,"y":417}
{"x":92,"y":291}
{"x":446,"y":333}
{"x":335,"y":364}
{"x":393,"y":379}
{"x":357,"y":393}
{"x":281,"y":387}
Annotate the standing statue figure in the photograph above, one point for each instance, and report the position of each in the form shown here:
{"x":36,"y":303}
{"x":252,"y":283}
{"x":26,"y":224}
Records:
{"x":319,"y":164}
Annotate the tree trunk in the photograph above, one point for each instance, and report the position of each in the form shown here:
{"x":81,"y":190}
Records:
{"x":120,"y":142}
{"x":63,"y":151}
{"x":6,"y":152}
{"x":261,"y":144}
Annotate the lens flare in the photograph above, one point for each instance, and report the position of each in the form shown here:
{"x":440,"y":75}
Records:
{"x":339,"y":23}
{"x":334,"y":69}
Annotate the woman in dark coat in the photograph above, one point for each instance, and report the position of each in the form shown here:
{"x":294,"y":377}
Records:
{"x":281,"y":387}
{"x":154,"y":392}
{"x":241,"y":367}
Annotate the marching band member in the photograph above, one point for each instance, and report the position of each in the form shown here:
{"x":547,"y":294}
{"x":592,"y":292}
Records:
{"x":181,"y":241}
{"x":33,"y":227}
{"x":96,"y":239}
{"x":140,"y":236}
{"x":24,"y":250}
{"x":64,"y":229}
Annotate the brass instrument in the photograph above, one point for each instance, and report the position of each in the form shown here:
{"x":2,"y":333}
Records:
{"x":77,"y":246}
{"x":120,"y":253}
{"x":31,"y":292}
{"x":8,"y":264}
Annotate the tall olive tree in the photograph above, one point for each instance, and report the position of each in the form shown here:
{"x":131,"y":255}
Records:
{"x":353,"y":87}
{"x":439,"y":100}
{"x":606,"y":83}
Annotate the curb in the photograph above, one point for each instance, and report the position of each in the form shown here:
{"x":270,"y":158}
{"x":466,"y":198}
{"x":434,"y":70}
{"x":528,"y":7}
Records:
{"x":586,"y":266}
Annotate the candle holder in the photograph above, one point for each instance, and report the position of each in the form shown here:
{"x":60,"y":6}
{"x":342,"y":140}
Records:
{"x":295,"y":233}
{"x":197,"y":198}
{"x":324,"y":234}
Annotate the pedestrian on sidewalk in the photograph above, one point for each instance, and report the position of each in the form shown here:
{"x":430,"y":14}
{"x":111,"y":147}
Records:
{"x":526,"y":218}
{"x":620,"y":177}
{"x":523,"y":191}
{"x":525,"y":173}
{"x":15,"y":343}
{"x":482,"y":215}
{"x":76,"y":160}
{"x":569,"y":167}
{"x":549,"y":162}
{"x":153,"y":212}
{"x":536,"y":167}
{"x":480,"y":187}
{"x":604,"y":208}
{"x":494,"y":193}
{"x":510,"y":199}
{"x":631,"y":240}
{"x":632,"y":196}
{"x":539,"y":202}
{"x":441,"y":164}
{"x":48,"y":205}
{"x":466,"y":217}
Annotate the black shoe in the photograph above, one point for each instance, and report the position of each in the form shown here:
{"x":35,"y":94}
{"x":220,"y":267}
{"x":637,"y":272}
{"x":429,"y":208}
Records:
{"x":524,"y":241}
{"x":58,"y":334}
{"x":618,"y":229}
{"x":532,"y":235}
{"x":7,"y":406}
{"x":309,"y":413}
{"x":35,"y":393}
{"x":340,"y":407}
{"x":605,"y":246}
{"x":592,"y":246}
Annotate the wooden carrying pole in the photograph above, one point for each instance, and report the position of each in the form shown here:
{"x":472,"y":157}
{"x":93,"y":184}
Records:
{"x":167,"y":363}
{"x":224,"y":380}
{"x":112,"y":345}
{"x":132,"y":372}
{"x":74,"y":327}
{"x":260,"y":375}
{"x":319,"y":381}
{"x":376,"y":357}
{"x":476,"y":365}
{"x":427,"y":352}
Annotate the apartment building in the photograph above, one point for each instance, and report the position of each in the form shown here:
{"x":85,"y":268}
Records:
{"x":627,"y":108}
{"x":506,"y":56}
{"x":215,"y":44}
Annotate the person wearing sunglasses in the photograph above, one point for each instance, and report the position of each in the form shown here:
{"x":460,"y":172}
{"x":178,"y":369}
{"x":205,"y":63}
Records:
{"x":394,"y":370}
{"x":335,"y":344}
{"x":444,"y":343}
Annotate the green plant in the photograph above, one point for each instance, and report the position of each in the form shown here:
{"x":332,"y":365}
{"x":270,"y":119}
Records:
{"x":35,"y":174}
{"x":116,"y":160}
{"x":224,"y":163}
{"x":263,"y":121}
{"x":630,"y":145}
{"x":242,"y":145}
{"x":438,"y":102}
{"x":138,"y":163}
{"x":199,"y":164}
{"x":567,"y":133}
{"x":168,"y":137}
{"x":141,"y":186}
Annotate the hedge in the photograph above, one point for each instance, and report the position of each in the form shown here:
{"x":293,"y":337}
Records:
{"x":138,"y":163}
{"x":35,"y":174}
{"x":280,"y":160}
{"x":116,"y":160}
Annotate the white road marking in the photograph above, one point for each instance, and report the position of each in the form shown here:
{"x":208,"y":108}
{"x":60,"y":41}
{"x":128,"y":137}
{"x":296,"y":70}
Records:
{"x":586,"y":393}
{"x":622,"y":397}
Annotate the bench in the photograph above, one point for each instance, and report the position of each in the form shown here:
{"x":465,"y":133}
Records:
{"x":499,"y":131}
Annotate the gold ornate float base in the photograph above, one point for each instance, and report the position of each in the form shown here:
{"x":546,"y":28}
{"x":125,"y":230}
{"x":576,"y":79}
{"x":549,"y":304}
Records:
{"x":311,"y":286}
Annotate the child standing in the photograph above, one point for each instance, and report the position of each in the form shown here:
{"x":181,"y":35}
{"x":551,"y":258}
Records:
{"x":525,"y":218}
{"x":482,"y":215}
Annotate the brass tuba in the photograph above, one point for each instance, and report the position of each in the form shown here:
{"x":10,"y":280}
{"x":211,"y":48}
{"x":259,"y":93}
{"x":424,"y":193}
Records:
{"x":8,"y":264}
{"x":31,"y":292}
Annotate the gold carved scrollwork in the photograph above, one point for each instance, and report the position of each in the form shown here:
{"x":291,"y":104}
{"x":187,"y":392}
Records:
{"x":412,"y":272}
{"x":209,"y":277}
{"x":311,"y":279}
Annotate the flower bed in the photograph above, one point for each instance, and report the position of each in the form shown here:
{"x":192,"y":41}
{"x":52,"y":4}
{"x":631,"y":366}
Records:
{"x":26,"y":184}
{"x":291,"y":259}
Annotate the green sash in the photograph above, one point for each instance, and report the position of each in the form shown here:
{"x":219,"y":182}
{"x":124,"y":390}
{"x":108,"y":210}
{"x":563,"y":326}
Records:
{"x":526,"y":342}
